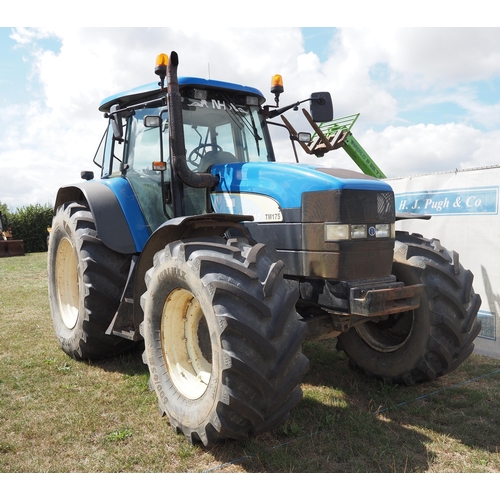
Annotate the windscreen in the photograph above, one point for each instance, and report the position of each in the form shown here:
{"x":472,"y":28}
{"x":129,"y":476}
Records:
{"x":219,"y":125}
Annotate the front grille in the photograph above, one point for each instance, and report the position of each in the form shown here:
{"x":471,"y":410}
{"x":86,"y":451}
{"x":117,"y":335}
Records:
{"x":367,"y":207}
{"x":349,"y":206}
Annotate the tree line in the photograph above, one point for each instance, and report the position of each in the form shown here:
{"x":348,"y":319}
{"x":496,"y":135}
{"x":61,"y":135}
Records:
{"x":30,"y":224}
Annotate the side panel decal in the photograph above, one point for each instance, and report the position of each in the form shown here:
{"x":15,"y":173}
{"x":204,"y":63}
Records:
{"x":263,"y":208}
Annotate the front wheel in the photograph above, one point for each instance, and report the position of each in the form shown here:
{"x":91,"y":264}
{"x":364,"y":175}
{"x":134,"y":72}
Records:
{"x":428,"y":342}
{"x":222,"y":338}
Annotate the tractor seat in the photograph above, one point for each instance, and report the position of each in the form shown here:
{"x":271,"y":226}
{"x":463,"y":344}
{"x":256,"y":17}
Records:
{"x":215,"y":157}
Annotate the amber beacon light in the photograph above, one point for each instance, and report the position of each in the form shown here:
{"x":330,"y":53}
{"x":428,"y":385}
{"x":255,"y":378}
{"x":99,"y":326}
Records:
{"x":161,"y":67}
{"x":277,"y":87}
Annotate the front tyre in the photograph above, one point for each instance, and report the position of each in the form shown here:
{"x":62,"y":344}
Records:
{"x":223,"y":339}
{"x":428,"y":342}
{"x":86,"y":280}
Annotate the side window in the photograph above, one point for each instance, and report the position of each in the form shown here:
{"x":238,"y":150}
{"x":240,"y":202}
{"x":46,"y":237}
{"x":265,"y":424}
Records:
{"x":143,"y":144}
{"x":117,"y":157}
{"x":109,"y":155}
{"x":99,"y":155}
{"x":142,"y":148}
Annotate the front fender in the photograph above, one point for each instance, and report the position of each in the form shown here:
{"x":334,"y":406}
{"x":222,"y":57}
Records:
{"x":197,"y":226}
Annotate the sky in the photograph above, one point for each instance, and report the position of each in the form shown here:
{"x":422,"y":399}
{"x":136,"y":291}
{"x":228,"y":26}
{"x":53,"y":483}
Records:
{"x":428,"y":98}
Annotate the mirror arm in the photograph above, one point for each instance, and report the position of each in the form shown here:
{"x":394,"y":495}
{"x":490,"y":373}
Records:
{"x":276,"y":112}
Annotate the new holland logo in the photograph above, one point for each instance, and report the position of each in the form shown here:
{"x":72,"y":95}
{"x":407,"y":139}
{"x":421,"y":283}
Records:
{"x":216,"y":104}
{"x":371,"y":231}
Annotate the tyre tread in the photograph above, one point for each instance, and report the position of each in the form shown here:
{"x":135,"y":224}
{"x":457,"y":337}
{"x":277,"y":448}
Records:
{"x":260,"y":335}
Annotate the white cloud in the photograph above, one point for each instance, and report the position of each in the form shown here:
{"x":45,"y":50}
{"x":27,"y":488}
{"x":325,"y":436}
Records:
{"x":368,"y":67}
{"x":401,"y":151}
{"x":444,"y":56}
{"x":423,"y":57}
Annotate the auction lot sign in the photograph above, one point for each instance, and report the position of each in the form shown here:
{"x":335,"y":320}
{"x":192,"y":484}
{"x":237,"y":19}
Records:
{"x":463,"y":206}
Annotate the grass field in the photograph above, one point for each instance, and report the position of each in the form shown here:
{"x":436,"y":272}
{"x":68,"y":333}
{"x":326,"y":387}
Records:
{"x":59,"y":415}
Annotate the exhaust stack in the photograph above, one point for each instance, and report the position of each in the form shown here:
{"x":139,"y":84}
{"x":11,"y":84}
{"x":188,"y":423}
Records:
{"x":177,"y":143}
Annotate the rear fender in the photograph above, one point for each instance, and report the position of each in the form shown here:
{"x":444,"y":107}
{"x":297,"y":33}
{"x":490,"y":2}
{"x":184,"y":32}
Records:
{"x":117,"y":215}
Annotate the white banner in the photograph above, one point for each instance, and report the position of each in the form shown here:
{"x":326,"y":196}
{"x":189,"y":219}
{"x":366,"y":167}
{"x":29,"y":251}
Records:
{"x":464,"y":209}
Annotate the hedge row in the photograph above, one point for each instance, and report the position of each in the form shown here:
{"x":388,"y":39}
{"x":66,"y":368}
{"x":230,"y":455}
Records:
{"x":30,"y":225}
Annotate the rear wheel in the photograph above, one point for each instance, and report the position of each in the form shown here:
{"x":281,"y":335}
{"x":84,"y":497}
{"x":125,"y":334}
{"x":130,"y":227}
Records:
{"x":430,"y":341}
{"x":223,"y":340}
{"x":86,"y":280}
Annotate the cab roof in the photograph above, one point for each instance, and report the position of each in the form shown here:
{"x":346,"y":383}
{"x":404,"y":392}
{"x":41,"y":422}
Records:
{"x":152,"y":90}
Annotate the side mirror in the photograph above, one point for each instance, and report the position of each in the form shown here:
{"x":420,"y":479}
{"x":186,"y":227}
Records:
{"x":321,"y":107}
{"x":87,"y":175}
{"x":116,"y":122}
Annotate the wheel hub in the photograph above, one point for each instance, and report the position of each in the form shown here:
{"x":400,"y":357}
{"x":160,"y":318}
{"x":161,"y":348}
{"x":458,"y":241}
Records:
{"x":66,"y":276}
{"x":389,"y":335}
{"x":185,"y":342}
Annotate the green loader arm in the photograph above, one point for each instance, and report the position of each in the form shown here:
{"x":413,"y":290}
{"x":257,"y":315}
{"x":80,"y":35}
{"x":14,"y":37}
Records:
{"x":334,"y":135}
{"x":362,"y":159}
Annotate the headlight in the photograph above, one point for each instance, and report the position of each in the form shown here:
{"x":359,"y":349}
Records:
{"x":337,"y":232}
{"x":344,"y":232}
{"x":384,"y":230}
{"x":358,"y":231}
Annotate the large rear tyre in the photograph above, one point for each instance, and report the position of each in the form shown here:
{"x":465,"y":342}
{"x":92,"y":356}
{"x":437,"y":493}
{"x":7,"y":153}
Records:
{"x":223,"y":339}
{"x":86,"y":280}
{"x":428,"y":342}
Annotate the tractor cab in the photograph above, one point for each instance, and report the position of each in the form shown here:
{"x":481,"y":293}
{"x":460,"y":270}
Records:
{"x":221,"y":124}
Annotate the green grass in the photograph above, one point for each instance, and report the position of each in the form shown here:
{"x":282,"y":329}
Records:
{"x":60,"y":415}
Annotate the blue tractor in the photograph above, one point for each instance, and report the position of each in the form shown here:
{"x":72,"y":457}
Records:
{"x":198,"y":245}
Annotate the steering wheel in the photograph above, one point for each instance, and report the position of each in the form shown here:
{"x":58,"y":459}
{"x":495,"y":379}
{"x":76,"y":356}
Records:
{"x":197,"y":153}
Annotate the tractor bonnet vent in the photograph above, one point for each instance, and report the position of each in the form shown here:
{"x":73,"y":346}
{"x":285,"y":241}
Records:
{"x":349,"y":206}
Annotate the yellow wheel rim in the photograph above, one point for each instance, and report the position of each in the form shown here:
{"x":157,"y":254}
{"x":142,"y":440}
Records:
{"x":185,"y":343}
{"x":66,"y":275}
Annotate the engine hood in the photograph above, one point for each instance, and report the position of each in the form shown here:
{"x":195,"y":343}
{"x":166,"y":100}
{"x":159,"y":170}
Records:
{"x":285,"y":182}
